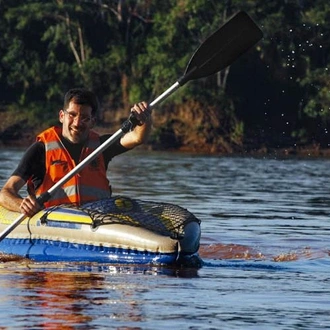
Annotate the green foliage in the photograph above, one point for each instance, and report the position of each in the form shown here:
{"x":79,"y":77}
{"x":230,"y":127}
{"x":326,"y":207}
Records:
{"x":317,"y":84}
{"x":131,"y":50}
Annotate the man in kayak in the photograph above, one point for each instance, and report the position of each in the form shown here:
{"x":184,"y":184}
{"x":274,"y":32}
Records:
{"x":59,"y":149}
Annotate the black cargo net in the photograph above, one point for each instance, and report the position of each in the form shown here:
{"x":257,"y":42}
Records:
{"x":162,"y":218}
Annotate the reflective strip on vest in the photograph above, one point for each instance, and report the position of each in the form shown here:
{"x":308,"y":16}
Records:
{"x":70,"y":192}
{"x":54,"y":145}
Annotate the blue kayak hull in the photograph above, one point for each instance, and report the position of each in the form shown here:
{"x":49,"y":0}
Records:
{"x":43,"y":250}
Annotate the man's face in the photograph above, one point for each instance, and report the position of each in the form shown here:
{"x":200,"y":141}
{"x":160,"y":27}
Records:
{"x":76,"y":122}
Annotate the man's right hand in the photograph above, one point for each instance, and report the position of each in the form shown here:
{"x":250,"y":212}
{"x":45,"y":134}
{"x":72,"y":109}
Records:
{"x":30,"y":206}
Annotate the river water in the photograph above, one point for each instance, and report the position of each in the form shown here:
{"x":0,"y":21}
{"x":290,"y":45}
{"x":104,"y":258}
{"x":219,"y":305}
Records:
{"x":265,"y":247}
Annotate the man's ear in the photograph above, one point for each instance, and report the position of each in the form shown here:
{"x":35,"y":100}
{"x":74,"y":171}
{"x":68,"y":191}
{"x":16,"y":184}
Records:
{"x":61,"y":116}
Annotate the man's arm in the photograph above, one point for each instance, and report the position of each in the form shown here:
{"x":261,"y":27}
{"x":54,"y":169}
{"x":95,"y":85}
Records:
{"x":11,"y":200}
{"x":9,"y":196}
{"x":31,"y":165}
{"x":141,"y":132}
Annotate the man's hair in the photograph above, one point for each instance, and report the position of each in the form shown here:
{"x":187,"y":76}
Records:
{"x":81,"y":96}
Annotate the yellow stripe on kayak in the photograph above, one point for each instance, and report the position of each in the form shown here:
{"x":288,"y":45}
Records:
{"x":7,"y":217}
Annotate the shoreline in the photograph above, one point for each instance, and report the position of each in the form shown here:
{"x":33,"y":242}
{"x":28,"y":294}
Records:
{"x":25,"y":139}
{"x":307,"y":152}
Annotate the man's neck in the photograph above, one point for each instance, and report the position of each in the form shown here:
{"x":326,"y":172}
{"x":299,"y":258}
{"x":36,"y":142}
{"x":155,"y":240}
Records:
{"x":74,"y":149}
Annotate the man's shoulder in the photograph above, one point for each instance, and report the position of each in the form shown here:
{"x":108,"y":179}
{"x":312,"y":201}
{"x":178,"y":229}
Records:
{"x":37,"y":147}
{"x":32,"y":163}
{"x":116,"y":148}
{"x":104,"y":137}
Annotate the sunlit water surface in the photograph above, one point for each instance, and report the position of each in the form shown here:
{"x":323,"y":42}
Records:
{"x":265,"y":247}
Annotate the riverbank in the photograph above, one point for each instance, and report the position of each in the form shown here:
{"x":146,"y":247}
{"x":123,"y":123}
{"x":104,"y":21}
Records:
{"x":21,"y":135}
{"x":27,"y":138}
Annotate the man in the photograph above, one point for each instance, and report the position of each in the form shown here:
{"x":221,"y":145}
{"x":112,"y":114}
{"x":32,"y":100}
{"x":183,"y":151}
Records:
{"x":59,"y":149}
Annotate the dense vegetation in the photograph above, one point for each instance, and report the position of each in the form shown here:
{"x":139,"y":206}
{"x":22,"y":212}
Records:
{"x":276,"y":95}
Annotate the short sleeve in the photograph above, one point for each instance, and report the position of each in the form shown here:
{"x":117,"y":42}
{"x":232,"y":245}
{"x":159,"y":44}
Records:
{"x":32,"y":163}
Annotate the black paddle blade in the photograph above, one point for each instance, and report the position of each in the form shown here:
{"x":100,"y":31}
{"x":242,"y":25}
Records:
{"x":223,"y":47}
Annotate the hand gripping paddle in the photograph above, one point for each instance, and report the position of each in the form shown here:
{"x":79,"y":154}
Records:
{"x":218,"y":51}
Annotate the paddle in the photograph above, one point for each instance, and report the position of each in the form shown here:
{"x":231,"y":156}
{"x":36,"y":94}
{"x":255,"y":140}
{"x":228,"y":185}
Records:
{"x":218,"y":51}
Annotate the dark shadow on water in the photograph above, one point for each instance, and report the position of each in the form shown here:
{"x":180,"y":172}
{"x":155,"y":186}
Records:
{"x":16,"y":263}
{"x":246,"y":265}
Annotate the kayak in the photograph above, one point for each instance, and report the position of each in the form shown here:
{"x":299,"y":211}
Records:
{"x":117,"y":230}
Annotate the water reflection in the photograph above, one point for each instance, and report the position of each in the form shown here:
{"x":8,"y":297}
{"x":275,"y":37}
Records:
{"x":69,"y":295}
{"x":61,"y":298}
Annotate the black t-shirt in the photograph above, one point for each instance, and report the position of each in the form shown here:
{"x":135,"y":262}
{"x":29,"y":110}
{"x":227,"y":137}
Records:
{"x":32,"y":164}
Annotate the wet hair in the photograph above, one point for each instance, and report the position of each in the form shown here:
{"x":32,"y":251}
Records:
{"x":81,"y":96}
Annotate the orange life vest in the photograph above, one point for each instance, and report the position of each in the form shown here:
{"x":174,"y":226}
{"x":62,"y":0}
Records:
{"x":89,"y":184}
